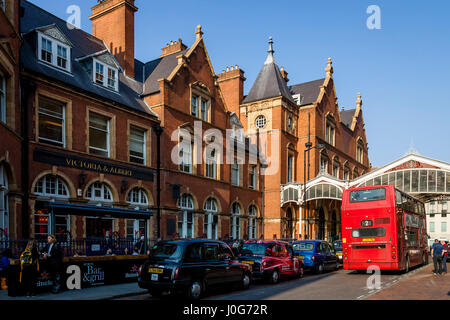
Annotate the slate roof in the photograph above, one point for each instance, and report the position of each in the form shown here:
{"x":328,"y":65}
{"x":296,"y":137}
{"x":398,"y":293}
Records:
{"x":157,"y":69}
{"x":308,"y":90}
{"x":84,"y":44}
{"x":347,"y":116}
{"x":269,"y":83}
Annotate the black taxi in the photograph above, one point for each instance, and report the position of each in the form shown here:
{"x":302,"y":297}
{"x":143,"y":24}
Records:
{"x":192,"y":267}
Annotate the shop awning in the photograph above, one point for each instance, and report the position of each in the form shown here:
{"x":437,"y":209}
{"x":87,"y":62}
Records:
{"x":95,"y":211}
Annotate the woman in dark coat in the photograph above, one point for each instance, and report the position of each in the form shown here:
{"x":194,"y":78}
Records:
{"x":29,"y":268}
{"x":52,"y":255}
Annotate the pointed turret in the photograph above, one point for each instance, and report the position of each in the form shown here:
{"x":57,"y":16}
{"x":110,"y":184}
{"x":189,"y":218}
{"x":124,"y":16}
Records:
{"x":270,"y":82}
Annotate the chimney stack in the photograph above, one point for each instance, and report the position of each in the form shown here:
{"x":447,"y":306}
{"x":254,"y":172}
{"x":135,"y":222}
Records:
{"x":173,"y":47}
{"x":113,"y":22}
{"x":231,"y":82}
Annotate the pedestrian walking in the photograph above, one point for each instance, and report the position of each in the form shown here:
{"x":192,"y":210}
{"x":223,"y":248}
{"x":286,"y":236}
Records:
{"x":29,"y":268}
{"x":444,"y":257}
{"x":4,"y":265}
{"x":53,"y":258}
{"x":140,"y":245}
{"x":436,"y":252}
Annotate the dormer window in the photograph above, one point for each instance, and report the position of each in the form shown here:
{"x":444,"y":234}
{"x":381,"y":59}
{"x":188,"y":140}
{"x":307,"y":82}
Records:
{"x":298,"y":99}
{"x":106,"y":75}
{"x":53,"y":52}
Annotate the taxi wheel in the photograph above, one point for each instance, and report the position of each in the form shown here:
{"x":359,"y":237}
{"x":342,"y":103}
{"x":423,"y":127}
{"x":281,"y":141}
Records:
{"x":245,"y":282}
{"x":301,"y":272}
{"x":275,"y":276}
{"x":195,"y":290}
{"x":319,"y":268}
{"x":337,"y":264}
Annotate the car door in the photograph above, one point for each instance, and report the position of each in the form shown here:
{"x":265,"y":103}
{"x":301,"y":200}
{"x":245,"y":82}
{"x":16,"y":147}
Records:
{"x":292,"y":260}
{"x":321,"y":254}
{"x":330,"y":257}
{"x":232,"y":270}
{"x":214,"y":267}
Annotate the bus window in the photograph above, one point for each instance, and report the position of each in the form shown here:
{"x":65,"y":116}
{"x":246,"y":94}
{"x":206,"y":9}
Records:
{"x":368,"y":195}
{"x":369,"y":232}
{"x":411,"y":238}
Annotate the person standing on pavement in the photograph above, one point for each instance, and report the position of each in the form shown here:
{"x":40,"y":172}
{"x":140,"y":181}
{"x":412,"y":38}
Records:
{"x":444,"y":257}
{"x":29,"y":268}
{"x":53,"y":256}
{"x":4,"y":265}
{"x":436,"y":252}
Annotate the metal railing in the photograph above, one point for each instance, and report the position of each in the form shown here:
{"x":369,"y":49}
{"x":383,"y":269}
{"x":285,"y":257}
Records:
{"x":81,"y":247}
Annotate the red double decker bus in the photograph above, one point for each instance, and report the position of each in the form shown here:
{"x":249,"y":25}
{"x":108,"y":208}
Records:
{"x":382,"y":226}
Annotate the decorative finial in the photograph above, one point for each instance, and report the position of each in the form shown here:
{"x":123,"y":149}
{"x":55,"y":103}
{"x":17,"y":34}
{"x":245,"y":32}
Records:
{"x":329,"y":68}
{"x":359,"y":101}
{"x":199,"y":32}
{"x":270,"y":58}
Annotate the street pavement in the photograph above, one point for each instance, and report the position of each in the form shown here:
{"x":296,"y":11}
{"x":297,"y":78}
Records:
{"x":423,"y":285}
{"x":95,"y":293}
{"x":336,"y":285}
{"x":418,"y":284}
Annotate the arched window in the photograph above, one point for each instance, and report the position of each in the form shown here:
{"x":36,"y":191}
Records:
{"x":51,"y":186}
{"x":323,"y":162}
{"x":100,"y":192}
{"x":235,"y":221}
{"x":252,"y":213}
{"x":211,"y":218}
{"x":360,"y":151}
{"x":186,"y":217}
{"x":336,"y":167}
{"x":138,"y":196}
{"x":4,"y":206}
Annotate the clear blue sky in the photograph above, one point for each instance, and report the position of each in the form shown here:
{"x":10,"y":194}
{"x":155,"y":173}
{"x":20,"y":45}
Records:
{"x":401,"y":70}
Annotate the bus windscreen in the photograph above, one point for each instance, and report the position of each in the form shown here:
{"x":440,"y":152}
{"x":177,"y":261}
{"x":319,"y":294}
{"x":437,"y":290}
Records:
{"x":368,"y":195}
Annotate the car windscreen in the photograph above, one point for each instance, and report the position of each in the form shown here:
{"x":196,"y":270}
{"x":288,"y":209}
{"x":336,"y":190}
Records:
{"x":337,"y":245}
{"x":369,"y":232}
{"x":303,"y":246}
{"x":254,"y":249}
{"x":367,"y":195}
{"x":166,"y":251}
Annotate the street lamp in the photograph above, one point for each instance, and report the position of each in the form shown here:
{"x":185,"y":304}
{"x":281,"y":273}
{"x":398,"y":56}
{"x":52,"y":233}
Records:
{"x":158,"y":131}
{"x":309,"y":146}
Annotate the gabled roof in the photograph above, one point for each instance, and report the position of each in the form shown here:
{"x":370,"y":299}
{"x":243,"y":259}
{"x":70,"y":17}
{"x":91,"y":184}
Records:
{"x":269,"y":83}
{"x":308,"y":90}
{"x":347,"y":117}
{"x":158,"y":69}
{"x":84,"y":44}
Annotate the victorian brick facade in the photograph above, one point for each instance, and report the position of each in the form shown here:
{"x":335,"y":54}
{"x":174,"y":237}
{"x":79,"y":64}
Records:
{"x":11,"y":193}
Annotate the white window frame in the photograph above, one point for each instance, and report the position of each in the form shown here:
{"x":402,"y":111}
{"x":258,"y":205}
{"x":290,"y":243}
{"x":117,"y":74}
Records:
{"x":211,"y":212}
{"x":236,"y":221}
{"x":261,"y":121}
{"x":55,"y":43}
{"x":106,"y":68}
{"x":186,"y":204}
{"x":108,"y":133}
{"x":290,"y":168}
{"x":58,"y":182}
{"x":211,"y":164}
{"x":236,"y":168}
{"x":142,"y":194}
{"x":102,"y":198}
{"x":186,"y":156}
{"x":253,"y":175}
{"x":63,"y":123}
{"x":252,"y":215}
{"x":4,"y":202}
{"x":144,"y":159}
{"x":2,"y":98}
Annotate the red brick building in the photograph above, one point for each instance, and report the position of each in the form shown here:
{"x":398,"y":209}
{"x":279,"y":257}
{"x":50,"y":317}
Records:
{"x":296,"y":115}
{"x":11,"y":194}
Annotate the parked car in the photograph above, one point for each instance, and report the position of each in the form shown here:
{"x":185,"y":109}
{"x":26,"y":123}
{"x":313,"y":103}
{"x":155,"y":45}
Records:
{"x":317,"y":255}
{"x":337,"y":245}
{"x":192,"y":267}
{"x":271,"y":260}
